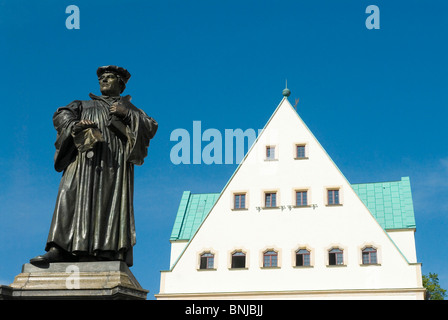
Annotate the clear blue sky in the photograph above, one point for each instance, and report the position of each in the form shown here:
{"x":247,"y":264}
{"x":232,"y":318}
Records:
{"x":375,"y":99}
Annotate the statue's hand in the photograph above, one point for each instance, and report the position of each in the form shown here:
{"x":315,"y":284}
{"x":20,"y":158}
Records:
{"x":84,"y":124}
{"x":119,"y":110}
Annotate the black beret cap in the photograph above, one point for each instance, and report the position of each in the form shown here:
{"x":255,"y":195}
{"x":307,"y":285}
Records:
{"x":122,"y":72}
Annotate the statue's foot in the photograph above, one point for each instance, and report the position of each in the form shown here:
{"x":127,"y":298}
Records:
{"x":53,"y":255}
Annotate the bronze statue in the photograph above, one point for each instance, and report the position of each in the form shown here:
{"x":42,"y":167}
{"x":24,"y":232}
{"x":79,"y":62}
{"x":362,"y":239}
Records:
{"x":98,"y":143}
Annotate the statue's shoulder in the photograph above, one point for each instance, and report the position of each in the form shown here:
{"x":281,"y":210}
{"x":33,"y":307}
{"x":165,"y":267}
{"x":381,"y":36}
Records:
{"x":79,"y":103}
{"x":72,"y":106}
{"x":126,"y":100}
{"x":84,"y":104}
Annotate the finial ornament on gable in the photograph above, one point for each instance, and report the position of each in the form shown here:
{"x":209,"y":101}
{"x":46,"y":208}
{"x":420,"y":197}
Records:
{"x":286,"y":92}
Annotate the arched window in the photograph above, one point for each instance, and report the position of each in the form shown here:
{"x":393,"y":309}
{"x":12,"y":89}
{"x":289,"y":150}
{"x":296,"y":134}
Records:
{"x":238,"y":259}
{"x":302,"y":257}
{"x":270,"y":259}
{"x":335,"y":257}
{"x":369,"y":256}
{"x":207,"y":261}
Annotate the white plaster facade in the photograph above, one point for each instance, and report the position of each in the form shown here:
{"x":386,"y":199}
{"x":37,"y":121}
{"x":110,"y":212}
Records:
{"x":318,"y":227}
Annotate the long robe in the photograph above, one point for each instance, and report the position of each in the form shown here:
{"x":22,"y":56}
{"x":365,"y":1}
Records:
{"x":94,"y":213}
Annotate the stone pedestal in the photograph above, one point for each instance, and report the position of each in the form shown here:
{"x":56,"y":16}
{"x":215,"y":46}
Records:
{"x":103,"y":280}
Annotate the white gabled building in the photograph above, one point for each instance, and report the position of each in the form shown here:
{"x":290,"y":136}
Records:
{"x":288,"y":225}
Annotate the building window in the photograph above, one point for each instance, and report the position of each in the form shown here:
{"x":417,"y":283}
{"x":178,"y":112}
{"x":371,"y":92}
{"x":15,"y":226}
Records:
{"x":335,"y":257}
{"x":270,"y":259}
{"x":270,"y":199}
{"x":238,"y":260}
{"x":300,"y":152}
{"x":369,"y":256}
{"x":301,"y":198}
{"x":239,"y":201}
{"x":270,"y":153}
{"x":302,"y":258}
{"x":207,"y":261}
{"x":333,"y":196}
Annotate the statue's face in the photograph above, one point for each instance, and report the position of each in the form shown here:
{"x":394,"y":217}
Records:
{"x":109,"y":84}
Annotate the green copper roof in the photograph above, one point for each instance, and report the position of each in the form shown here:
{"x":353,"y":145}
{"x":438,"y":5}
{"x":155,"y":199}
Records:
{"x":193,"y":208}
{"x":389,"y":202}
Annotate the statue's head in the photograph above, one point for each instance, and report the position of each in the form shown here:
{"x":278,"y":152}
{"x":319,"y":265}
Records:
{"x":112,"y":80}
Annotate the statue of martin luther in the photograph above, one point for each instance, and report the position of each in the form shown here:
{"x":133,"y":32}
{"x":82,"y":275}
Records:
{"x":98,"y":143}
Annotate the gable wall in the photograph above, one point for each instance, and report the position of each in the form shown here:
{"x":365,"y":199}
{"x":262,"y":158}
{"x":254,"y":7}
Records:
{"x":349,"y":226}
